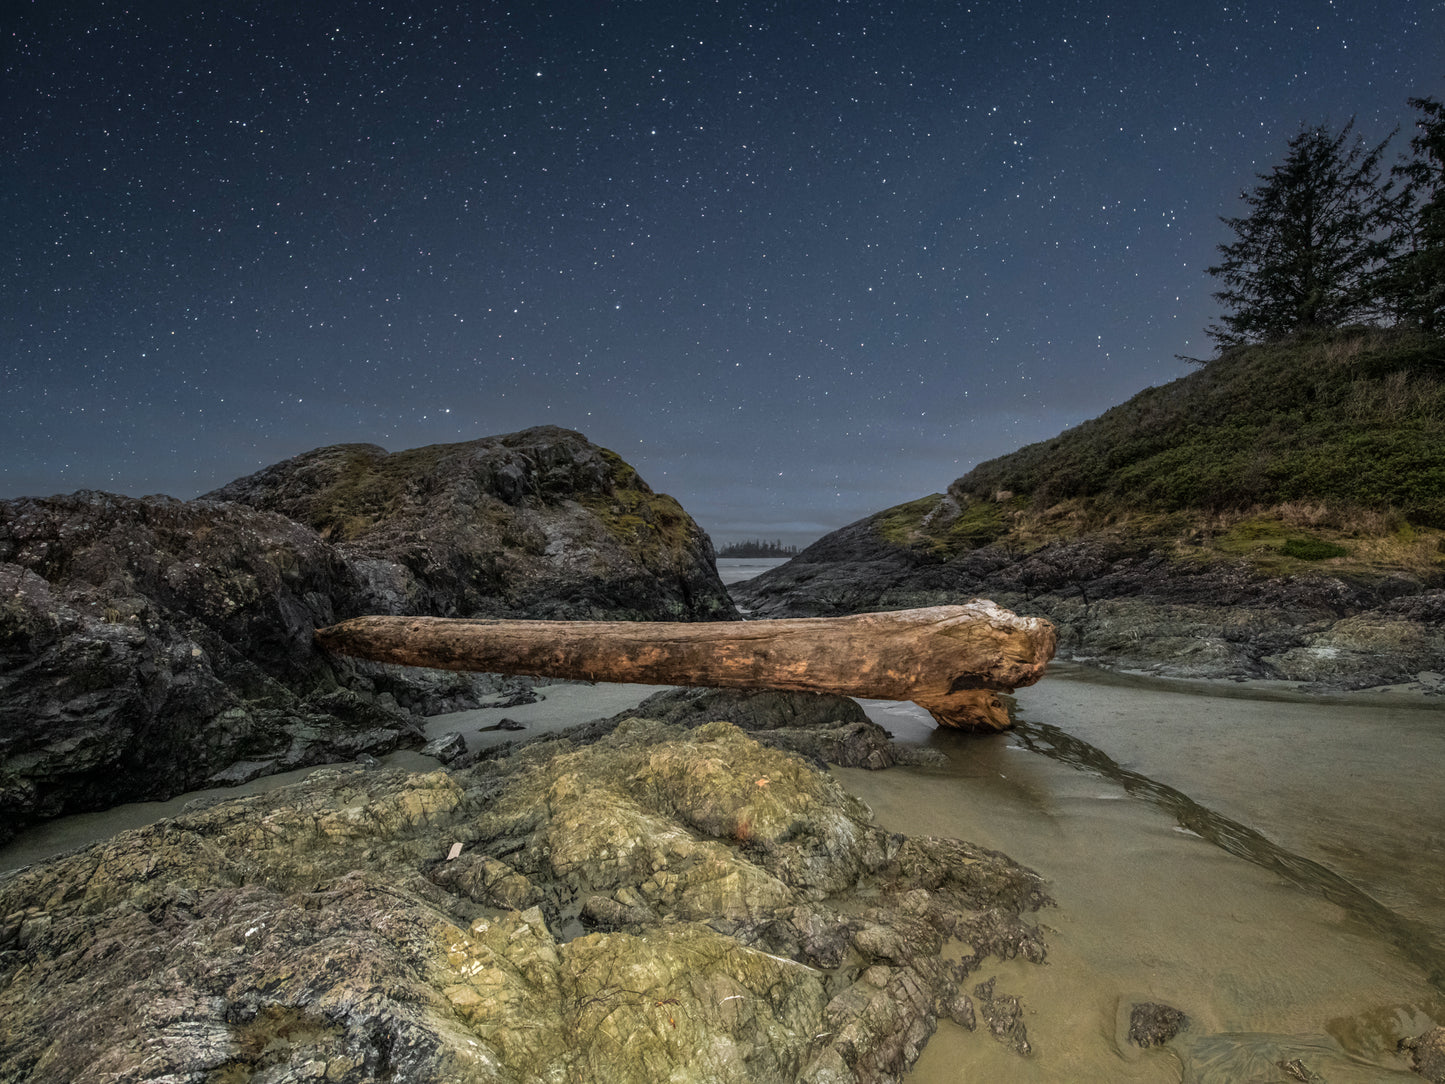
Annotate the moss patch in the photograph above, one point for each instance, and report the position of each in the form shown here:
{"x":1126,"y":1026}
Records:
{"x":902,"y":524}
{"x":369,"y":486}
{"x":1283,"y":540}
{"x":637,"y":516}
{"x":1312,"y":549}
{"x":977,"y":525}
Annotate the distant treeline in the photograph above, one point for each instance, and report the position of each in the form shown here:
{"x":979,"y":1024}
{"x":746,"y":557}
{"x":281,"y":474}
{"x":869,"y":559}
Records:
{"x":758,"y":548}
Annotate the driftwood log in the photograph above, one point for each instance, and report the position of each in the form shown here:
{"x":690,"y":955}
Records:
{"x":950,"y":660}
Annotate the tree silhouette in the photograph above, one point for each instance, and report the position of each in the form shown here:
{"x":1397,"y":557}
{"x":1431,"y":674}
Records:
{"x":1308,"y":253}
{"x":1413,"y":283}
{"x":758,"y":548}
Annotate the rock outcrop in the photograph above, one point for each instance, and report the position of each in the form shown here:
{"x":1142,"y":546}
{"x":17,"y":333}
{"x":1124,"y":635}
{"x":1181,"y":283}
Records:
{"x":662,"y":904}
{"x":1427,"y":1054}
{"x":540,"y":523}
{"x":1153,"y":1024}
{"x":825,"y":729}
{"x":1129,"y":604}
{"x":151,"y":646}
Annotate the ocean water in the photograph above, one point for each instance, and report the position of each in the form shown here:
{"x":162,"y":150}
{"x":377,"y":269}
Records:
{"x":737,"y":569}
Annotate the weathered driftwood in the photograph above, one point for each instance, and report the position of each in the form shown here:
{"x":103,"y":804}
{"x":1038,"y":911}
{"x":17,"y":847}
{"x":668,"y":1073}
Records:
{"x":951,"y":660}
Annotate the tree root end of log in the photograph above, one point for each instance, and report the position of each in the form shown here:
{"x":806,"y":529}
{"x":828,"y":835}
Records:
{"x":978,"y":710}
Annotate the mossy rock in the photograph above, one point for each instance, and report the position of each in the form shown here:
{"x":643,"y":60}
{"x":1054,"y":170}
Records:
{"x":751,"y":925}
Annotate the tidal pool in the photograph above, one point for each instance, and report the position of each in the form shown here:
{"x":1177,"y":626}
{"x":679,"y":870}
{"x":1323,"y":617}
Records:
{"x":1268,"y":862}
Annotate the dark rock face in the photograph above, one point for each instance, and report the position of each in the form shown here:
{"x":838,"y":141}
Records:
{"x":662,"y":904}
{"x":1427,"y":1054}
{"x":822,"y":728}
{"x":1124,"y":605}
{"x":151,"y":646}
{"x":446,"y":748}
{"x":540,"y":523}
{"x":826,"y":729}
{"x":1004,"y":1016}
{"x":1153,"y":1024}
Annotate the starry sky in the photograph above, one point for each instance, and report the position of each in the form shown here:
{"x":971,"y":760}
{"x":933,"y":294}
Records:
{"x":797,"y":261}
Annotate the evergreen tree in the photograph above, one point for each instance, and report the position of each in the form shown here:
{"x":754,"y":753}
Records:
{"x":756,"y":547}
{"x":1414,"y":281}
{"x":1307,"y":254}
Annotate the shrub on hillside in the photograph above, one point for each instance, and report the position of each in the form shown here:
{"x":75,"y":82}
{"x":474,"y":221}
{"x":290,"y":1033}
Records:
{"x":1312,"y":549}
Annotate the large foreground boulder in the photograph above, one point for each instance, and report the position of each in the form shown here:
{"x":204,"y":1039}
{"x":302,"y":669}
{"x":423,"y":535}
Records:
{"x":660,"y":905}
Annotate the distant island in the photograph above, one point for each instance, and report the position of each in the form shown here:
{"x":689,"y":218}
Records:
{"x":758,"y":548}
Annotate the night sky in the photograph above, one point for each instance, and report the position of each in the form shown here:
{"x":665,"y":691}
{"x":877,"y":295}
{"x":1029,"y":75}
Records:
{"x":795,"y":261}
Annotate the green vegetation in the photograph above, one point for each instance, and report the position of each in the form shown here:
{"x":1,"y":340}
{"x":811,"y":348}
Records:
{"x":1311,"y":549}
{"x":757,"y":548}
{"x":1413,"y":283}
{"x":1325,"y":449}
{"x":1353,"y":418}
{"x":634,"y":514}
{"x":902,"y":525}
{"x":1308,"y":253}
{"x":369,"y":485}
{"x":934,"y":524}
{"x":1329,"y":241}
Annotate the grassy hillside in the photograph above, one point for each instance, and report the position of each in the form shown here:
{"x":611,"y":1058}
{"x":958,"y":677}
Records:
{"x":1329,"y":448}
{"x":1354,"y":418}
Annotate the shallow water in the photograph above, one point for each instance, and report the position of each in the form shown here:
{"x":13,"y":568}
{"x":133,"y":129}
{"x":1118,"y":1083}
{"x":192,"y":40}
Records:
{"x":1269,"y":863}
{"x":738,"y":569}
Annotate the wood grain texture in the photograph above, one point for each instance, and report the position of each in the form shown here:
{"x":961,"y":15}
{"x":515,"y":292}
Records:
{"x":950,"y":660}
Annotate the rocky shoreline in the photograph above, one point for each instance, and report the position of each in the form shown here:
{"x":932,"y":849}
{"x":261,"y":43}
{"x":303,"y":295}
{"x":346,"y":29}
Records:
{"x":633,"y":901}
{"x":151,"y":646}
{"x":681,"y":891}
{"x":1127,"y":605}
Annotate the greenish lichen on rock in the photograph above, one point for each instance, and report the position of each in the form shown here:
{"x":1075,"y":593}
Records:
{"x":662,"y":903}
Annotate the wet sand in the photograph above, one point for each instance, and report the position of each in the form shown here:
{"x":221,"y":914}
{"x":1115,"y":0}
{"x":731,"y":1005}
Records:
{"x":1243,"y":924}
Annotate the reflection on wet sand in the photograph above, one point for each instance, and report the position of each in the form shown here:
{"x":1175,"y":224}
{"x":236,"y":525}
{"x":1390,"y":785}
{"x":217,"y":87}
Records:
{"x":1175,"y":891}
